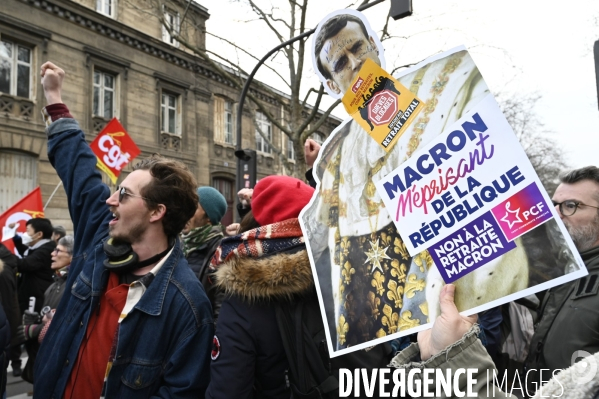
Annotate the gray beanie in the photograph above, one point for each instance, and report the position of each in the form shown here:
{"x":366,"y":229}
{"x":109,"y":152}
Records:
{"x":213,"y":203}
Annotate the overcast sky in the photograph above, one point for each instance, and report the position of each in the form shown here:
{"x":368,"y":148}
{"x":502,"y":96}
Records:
{"x":521,"y":47}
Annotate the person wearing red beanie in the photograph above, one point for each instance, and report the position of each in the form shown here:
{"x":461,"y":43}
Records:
{"x":262,"y":270}
{"x":278,"y":198}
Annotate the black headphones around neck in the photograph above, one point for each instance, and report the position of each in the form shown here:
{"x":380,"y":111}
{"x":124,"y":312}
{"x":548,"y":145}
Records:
{"x":122,"y":259}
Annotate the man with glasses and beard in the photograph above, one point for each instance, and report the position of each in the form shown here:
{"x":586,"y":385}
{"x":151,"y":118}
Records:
{"x":569,"y":314}
{"x":134,"y":321}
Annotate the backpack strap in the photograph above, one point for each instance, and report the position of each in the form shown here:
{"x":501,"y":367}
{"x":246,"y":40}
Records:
{"x":309,"y":378}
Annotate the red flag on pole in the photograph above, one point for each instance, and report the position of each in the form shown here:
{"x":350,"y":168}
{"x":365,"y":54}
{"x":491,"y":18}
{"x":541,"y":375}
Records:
{"x":30,"y":206}
{"x":114,"y":149}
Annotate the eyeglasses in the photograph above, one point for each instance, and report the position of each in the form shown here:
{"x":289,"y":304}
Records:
{"x":123,"y":191}
{"x":569,"y":207}
{"x":58,"y":251}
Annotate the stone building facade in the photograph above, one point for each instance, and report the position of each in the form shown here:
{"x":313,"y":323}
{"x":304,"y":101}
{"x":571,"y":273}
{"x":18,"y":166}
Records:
{"x":122,"y":63}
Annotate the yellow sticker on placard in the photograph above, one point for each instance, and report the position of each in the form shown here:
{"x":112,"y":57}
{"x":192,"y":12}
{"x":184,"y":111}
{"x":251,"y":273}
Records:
{"x":381,"y":105}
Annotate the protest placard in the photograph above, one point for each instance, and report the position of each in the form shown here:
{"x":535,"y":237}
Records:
{"x":476,"y":170}
{"x":376,"y":284}
{"x":380,"y":104}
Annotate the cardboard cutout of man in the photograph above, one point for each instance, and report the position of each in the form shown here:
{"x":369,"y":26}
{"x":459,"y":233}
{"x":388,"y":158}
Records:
{"x":370,"y":286}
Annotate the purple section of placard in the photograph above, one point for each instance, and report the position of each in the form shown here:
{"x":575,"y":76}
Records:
{"x":469,"y":248}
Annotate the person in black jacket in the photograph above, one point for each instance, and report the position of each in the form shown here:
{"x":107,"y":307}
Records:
{"x":35,"y":247}
{"x":36,"y":323}
{"x":4,"y":345}
{"x":34,"y":268}
{"x":61,"y":261}
{"x":265,"y":265}
{"x":8,"y":300}
{"x":202,"y":235}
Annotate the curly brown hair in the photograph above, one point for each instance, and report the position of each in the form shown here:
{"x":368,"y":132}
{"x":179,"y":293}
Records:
{"x":173,"y":186}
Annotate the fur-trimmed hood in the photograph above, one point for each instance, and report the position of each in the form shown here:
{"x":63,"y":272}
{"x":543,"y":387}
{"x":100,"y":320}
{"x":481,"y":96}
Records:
{"x":280,"y":275}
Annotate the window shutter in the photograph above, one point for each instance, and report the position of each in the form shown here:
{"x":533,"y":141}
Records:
{"x":219,"y":120}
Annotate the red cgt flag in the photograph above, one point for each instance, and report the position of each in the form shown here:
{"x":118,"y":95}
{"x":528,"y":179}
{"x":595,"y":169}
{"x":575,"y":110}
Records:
{"x":30,"y":206}
{"x":114,"y":149}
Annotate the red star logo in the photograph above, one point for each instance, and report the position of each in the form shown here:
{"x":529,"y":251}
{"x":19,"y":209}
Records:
{"x":511,"y":217}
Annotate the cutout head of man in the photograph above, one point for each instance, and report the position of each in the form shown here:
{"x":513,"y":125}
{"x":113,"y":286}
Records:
{"x":342,"y":44}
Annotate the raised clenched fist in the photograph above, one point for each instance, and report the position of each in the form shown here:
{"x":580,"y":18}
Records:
{"x":52,"y":77}
{"x":311,"y":150}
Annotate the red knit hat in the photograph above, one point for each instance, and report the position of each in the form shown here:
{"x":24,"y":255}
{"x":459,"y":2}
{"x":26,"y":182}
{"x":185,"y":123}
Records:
{"x":278,"y":198}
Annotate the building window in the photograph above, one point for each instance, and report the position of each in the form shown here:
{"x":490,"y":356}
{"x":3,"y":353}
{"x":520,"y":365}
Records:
{"x":104,"y":95}
{"x":18,"y":176}
{"x":266,"y":128}
{"x":15,"y":69}
{"x":171,"y":19}
{"x":318,"y":137}
{"x":106,"y":7}
{"x":290,"y":150}
{"x":169,"y":115}
{"x":229,"y":134}
{"x":223,"y":121}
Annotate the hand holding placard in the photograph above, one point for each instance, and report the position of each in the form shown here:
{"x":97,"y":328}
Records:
{"x":447,"y":329}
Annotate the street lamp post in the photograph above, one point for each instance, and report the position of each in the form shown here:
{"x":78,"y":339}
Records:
{"x":596,"y":54}
{"x":399,"y":9}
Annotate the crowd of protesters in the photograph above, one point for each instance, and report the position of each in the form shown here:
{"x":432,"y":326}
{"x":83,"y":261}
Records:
{"x":127,"y":306}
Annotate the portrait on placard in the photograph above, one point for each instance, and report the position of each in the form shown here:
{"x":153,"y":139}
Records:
{"x":342,"y":42}
{"x":370,"y":288}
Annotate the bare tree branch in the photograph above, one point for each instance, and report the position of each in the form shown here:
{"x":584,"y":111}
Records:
{"x":312,"y":90}
{"x":246,"y":53}
{"x":297,"y":121}
{"x":385,"y":32}
{"x":307,"y":133}
{"x":546,"y":157}
{"x":313,"y":112}
{"x":186,"y":10}
{"x":264,"y":17}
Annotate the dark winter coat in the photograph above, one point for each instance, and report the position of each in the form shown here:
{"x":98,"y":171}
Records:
{"x":8,"y":297}
{"x":569,"y":320}
{"x":55,"y":290}
{"x":4,"y":346}
{"x":36,"y":273}
{"x":199,"y":259}
{"x":249,"y":359}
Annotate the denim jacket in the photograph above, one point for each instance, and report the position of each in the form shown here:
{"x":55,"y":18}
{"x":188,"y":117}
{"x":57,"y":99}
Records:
{"x":164,"y":343}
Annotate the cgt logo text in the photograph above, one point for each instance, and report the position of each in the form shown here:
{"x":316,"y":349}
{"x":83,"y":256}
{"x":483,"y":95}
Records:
{"x":114,"y":157}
